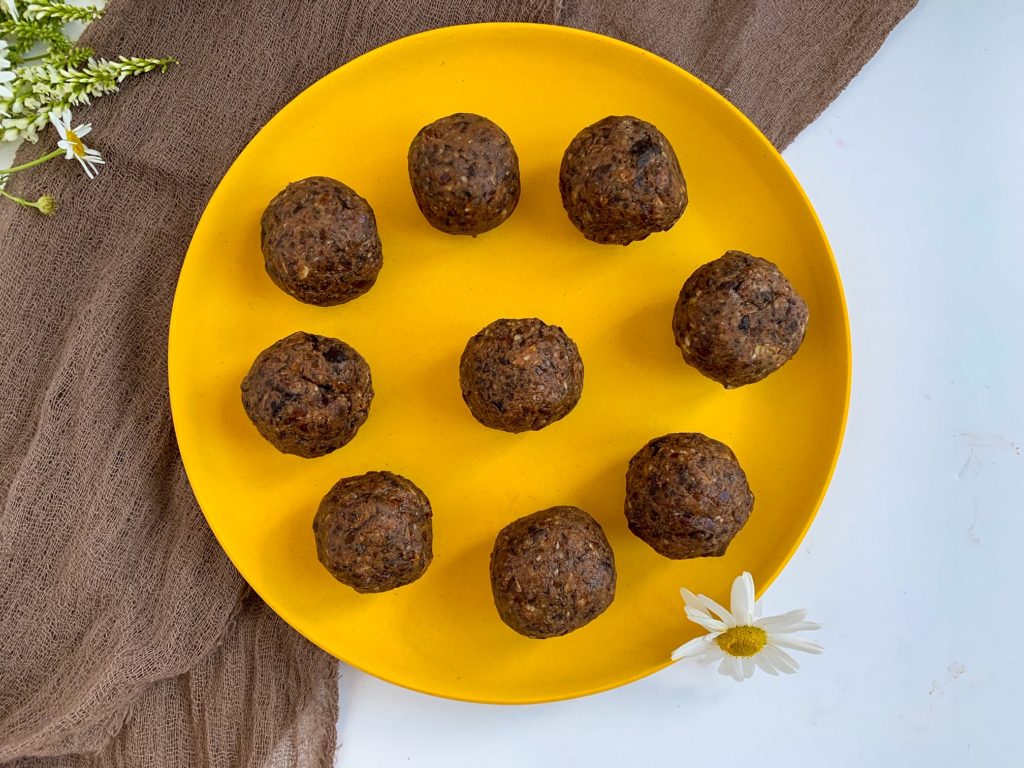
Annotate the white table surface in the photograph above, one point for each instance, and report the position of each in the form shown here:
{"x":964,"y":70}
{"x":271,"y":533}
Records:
{"x":916,"y":172}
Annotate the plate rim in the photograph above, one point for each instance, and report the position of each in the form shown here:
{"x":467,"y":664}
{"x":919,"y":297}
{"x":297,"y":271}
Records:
{"x":177,"y":406}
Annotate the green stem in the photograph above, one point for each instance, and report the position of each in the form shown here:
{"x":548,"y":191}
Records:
{"x":31,"y":163}
{"x":21,"y":200}
{"x":18,"y":200}
{"x":40,"y":57}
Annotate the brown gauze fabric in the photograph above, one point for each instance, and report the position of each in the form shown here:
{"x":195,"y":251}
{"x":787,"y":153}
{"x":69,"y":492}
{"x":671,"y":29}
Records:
{"x":127,"y":637}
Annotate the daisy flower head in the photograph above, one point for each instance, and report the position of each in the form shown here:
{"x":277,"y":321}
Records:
{"x":71,"y":142}
{"x":740,"y":639}
{"x":6,"y":75}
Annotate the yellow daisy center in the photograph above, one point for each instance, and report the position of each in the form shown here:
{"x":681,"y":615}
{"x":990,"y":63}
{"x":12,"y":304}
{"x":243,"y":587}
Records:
{"x":76,"y":143}
{"x":742,"y":641}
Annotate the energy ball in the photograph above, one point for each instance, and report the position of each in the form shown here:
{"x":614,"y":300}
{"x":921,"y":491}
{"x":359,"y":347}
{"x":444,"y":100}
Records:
{"x":552,"y":572}
{"x":464,"y":173}
{"x":620,"y":181}
{"x":519,"y":375}
{"x":686,"y":496}
{"x":320,"y":242}
{"x":307,"y":394}
{"x":373,"y":532}
{"x":738,"y":319}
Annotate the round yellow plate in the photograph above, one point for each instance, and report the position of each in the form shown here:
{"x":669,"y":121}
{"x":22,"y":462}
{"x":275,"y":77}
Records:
{"x":541,"y":84}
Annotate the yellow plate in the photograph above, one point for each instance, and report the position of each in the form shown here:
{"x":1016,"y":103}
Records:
{"x":541,"y":84}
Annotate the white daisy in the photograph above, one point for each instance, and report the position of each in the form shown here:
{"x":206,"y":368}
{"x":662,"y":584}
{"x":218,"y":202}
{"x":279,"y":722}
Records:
{"x":12,"y":8}
{"x":739,"y":638}
{"x":6,"y":75}
{"x":71,"y":142}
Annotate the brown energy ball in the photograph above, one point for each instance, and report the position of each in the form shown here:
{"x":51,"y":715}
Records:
{"x":464,"y":173}
{"x":687,"y":496}
{"x":738,"y":319}
{"x":520,"y":375}
{"x":308,"y":394}
{"x":552,"y":572}
{"x":320,"y":242}
{"x":620,"y":181}
{"x":373,"y":532}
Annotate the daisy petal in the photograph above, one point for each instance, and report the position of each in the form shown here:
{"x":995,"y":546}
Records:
{"x":696,"y":646}
{"x":780,"y":659}
{"x":747,"y":664}
{"x":688,"y":597}
{"x":712,"y":654}
{"x":800,"y":626}
{"x":708,"y":623}
{"x":693,"y":602}
{"x":704,"y":604}
{"x":710,"y":605}
{"x":735,"y":669}
{"x":781,"y":623}
{"x":762,"y":661}
{"x":795,"y":643}
{"x":743,"y":599}
{"x":89,"y":165}
{"x":83,"y":129}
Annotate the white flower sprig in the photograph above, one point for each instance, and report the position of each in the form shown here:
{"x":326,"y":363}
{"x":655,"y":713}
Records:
{"x":740,"y":638}
{"x":40,"y":88}
{"x":6,"y":75}
{"x":54,"y":10}
{"x":47,"y":88}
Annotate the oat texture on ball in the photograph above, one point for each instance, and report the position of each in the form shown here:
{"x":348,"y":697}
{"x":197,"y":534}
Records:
{"x":308,"y":394}
{"x":738,"y":319}
{"x":520,"y":374}
{"x":552,"y":572}
{"x":464,"y":173}
{"x":320,"y":242}
{"x":687,"y":496}
{"x":374,"y":532}
{"x":620,"y":181}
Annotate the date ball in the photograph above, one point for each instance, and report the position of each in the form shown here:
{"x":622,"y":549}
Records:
{"x":552,"y":572}
{"x":520,"y":375}
{"x":620,"y":181}
{"x":373,"y":532}
{"x":320,"y":242}
{"x":307,"y":394}
{"x":687,"y":496}
{"x":464,"y":173}
{"x":738,"y":319}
